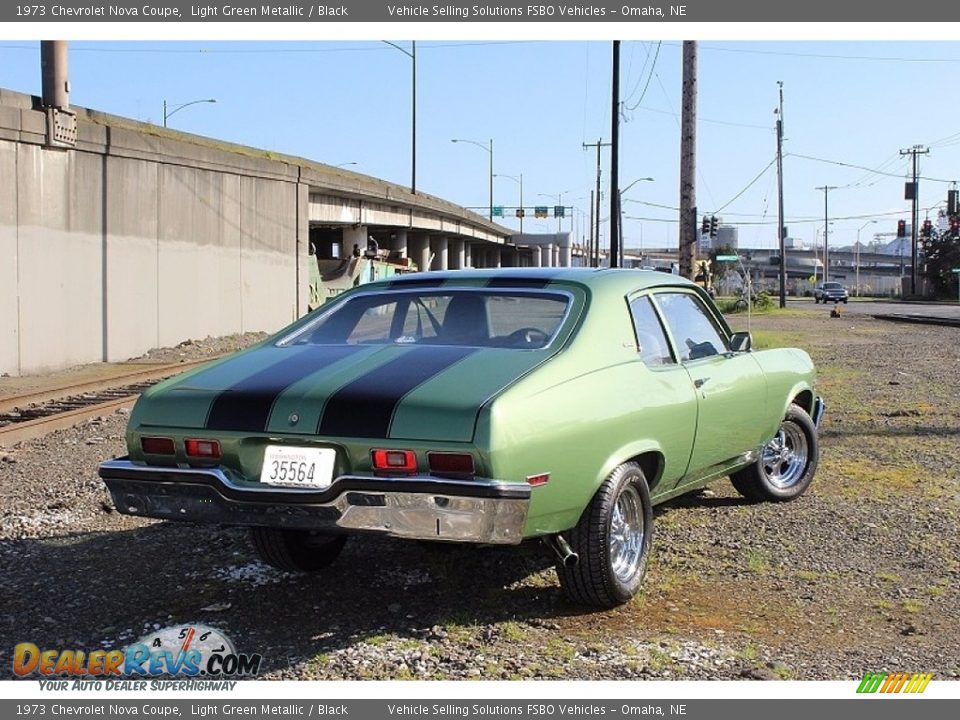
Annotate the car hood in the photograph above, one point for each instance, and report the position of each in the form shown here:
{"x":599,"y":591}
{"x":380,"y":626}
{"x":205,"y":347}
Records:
{"x":375,"y":391}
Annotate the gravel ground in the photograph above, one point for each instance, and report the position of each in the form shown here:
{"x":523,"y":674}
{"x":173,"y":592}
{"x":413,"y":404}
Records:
{"x":861,"y":574}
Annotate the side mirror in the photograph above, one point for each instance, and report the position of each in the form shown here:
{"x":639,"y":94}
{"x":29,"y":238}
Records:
{"x":741,"y":342}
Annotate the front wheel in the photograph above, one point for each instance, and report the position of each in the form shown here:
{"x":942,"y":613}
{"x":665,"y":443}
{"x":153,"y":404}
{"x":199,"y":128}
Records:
{"x":612,"y":541}
{"x":296,"y":550}
{"x":787,"y":463}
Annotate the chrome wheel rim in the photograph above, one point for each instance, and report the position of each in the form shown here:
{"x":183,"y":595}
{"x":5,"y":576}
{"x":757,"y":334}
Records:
{"x":784,"y":458}
{"x":626,"y":535}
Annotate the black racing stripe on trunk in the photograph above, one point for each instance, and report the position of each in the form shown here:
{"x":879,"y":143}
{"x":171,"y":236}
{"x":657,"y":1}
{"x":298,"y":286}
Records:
{"x":365,"y":406}
{"x":507,"y":282}
{"x":246,"y":405}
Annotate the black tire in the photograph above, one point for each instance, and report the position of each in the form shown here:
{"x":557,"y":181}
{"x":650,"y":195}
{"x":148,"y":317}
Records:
{"x":787,"y":463}
{"x":845,"y":301}
{"x":296,"y":550}
{"x":603,"y":577}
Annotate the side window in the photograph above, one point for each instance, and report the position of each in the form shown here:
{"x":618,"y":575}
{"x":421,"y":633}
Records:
{"x":374,"y":325}
{"x":693,"y":329}
{"x":652,"y":343}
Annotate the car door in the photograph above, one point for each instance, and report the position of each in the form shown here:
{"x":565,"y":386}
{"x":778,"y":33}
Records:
{"x":667,"y":399}
{"x":730,"y":387}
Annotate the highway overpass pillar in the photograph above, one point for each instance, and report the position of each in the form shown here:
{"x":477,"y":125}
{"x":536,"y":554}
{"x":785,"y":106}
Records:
{"x":468,"y":255}
{"x":536,"y":256}
{"x":398,"y":243}
{"x":418,"y":247}
{"x":547,"y":252}
{"x":439,"y":246}
{"x":354,"y":240}
{"x":458,"y":255}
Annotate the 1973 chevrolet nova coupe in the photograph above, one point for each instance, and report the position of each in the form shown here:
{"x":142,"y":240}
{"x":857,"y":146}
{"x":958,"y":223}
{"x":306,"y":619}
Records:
{"x":478,"y":406}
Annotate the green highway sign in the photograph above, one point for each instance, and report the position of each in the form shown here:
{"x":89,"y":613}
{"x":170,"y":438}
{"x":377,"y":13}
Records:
{"x":956,"y":270}
{"x":727,"y":258}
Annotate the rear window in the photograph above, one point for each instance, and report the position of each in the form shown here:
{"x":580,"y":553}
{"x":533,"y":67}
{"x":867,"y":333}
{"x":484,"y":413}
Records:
{"x":477,"y":318}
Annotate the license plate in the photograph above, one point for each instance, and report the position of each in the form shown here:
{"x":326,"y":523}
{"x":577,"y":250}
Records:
{"x":298,"y":467}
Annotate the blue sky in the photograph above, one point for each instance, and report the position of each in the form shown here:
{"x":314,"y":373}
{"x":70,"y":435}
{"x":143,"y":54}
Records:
{"x":857,"y":103}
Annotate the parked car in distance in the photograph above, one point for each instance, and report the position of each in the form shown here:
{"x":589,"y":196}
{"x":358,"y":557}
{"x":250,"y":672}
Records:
{"x":478,"y":406}
{"x":830,"y":292}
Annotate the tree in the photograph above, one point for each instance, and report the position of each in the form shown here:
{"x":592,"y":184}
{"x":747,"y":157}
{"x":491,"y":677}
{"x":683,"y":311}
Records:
{"x":942,"y":255}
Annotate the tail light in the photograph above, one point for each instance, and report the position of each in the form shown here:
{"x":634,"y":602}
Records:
{"x":397,"y":461}
{"x":157,"y":445}
{"x":448,"y":463}
{"x":203,"y":449}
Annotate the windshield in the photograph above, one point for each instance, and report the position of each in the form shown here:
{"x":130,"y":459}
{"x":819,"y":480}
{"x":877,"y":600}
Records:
{"x":832,"y":286}
{"x":464,"y":317}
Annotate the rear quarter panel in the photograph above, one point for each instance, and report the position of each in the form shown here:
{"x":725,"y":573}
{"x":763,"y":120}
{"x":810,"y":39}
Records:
{"x":791,"y":376}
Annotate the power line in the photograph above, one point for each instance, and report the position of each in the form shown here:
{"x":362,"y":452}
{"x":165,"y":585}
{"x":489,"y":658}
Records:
{"x":749,"y":185}
{"x":268,"y":51}
{"x":861,"y":167}
{"x":828,"y":56}
{"x":653,"y":68}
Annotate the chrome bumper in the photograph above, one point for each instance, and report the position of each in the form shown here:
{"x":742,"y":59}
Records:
{"x":819,"y":407}
{"x":419,"y":507}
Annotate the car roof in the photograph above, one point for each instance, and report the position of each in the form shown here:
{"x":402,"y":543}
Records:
{"x":606,"y":279}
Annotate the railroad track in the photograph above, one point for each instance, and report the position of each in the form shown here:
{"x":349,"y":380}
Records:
{"x":28,"y":416}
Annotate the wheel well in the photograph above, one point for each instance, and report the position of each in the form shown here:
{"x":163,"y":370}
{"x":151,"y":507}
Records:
{"x":652,"y":465}
{"x":804,"y":400}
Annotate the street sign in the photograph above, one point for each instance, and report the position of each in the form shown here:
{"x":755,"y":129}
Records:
{"x":498,"y":210}
{"x":540,"y":211}
{"x":727,"y":258}
{"x":956,"y":270}
{"x":520,"y":213}
{"x":559,"y":211}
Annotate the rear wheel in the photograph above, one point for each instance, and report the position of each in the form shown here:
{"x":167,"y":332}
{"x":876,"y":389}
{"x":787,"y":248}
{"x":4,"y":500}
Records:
{"x":787,"y":463}
{"x":296,"y":550}
{"x":612,"y":541}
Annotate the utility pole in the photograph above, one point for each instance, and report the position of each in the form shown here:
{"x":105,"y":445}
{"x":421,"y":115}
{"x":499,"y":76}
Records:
{"x":912,"y":194}
{"x":615,"y":249}
{"x":595,"y":223}
{"x":590,"y":245}
{"x":688,"y":162}
{"x":826,"y":231}
{"x":781,"y":230}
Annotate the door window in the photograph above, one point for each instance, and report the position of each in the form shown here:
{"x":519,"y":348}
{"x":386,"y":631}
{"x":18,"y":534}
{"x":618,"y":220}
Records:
{"x":694,"y":330}
{"x":651,"y":341}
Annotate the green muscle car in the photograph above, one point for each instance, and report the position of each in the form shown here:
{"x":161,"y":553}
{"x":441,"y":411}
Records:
{"x":478,"y":406}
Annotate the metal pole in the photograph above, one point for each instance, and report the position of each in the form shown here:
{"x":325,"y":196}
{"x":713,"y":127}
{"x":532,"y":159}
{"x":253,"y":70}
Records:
{"x":781,"y":231}
{"x":688,"y":159}
{"x":826,"y":230}
{"x":164,"y":113}
{"x":53,"y":67}
{"x":615,"y":250}
{"x":522,"y":213}
{"x":590,"y":246}
{"x":491,"y":179}
{"x":413,"y":144}
{"x":914,"y":265}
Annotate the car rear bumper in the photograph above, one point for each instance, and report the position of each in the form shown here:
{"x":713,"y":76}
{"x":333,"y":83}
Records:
{"x":420,"y":507}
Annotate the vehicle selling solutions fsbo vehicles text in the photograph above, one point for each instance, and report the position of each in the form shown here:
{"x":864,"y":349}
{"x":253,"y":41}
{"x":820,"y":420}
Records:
{"x":466,"y":11}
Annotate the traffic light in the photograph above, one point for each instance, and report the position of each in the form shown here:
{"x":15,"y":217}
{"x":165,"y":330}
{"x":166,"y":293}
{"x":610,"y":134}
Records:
{"x":927,"y":228}
{"x":713,"y":226}
{"x":705,"y":228}
{"x":954,"y":226}
{"x":901,"y":228}
{"x":952,"y":202}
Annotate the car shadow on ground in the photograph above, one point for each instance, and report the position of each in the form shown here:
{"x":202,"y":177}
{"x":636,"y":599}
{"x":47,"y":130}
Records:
{"x":105,"y":590}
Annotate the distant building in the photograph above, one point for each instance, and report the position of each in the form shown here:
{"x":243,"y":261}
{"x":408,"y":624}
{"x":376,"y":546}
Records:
{"x":726,"y":237}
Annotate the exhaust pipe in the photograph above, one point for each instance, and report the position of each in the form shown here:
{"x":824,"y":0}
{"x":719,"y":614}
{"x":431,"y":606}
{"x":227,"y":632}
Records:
{"x":568,"y":558}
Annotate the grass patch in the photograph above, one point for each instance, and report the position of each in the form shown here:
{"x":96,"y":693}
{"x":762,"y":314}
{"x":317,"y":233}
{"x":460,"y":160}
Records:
{"x":912,"y":605}
{"x":758,"y":561}
{"x":889,"y":577}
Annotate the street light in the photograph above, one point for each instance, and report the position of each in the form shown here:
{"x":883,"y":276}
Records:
{"x":412,"y":54}
{"x":620,"y":210}
{"x":177,"y":108}
{"x":857,"y":254}
{"x":489,"y":149}
{"x":519,"y":181}
{"x":559,"y":197}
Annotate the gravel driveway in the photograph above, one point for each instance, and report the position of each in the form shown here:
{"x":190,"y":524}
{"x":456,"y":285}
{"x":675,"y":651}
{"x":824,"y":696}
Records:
{"x":861,"y":574}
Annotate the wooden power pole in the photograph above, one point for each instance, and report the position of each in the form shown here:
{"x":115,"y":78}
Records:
{"x":616,"y":252}
{"x":688,"y":162}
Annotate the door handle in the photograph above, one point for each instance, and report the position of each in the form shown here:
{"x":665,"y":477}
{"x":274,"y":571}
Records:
{"x":700,"y":382}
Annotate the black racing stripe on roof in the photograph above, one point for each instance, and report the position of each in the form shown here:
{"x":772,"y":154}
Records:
{"x":365,"y":406}
{"x":509,"y":282}
{"x":416,"y":282}
{"x":245,"y":406}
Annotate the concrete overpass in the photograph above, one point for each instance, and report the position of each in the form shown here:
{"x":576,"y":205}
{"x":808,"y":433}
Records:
{"x":127,"y":236}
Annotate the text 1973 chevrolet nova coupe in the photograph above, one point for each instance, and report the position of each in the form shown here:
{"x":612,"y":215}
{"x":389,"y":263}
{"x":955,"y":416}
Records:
{"x":477,"y":406}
